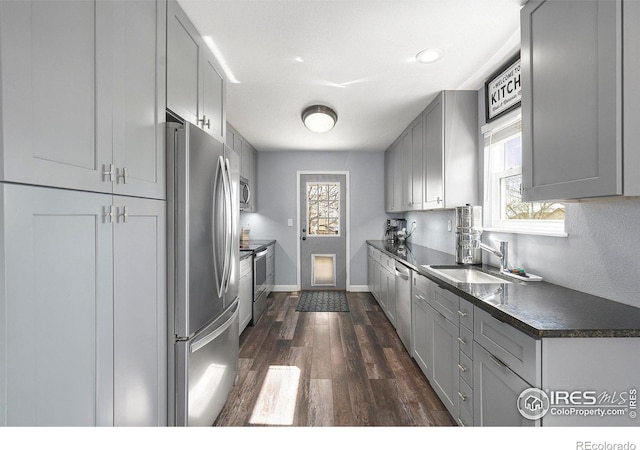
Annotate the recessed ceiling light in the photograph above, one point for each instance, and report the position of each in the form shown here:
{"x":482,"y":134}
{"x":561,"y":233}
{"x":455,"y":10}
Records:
{"x":429,"y":55}
{"x":319,"y":118}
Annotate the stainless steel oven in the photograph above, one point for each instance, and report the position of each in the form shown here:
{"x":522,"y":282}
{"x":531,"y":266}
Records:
{"x":259,"y":284}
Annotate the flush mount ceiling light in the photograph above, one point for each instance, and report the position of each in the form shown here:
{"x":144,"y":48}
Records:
{"x":429,"y":55}
{"x":319,"y":118}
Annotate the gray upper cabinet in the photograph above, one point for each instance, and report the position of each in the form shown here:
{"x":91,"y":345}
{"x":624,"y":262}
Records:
{"x":248,"y":164}
{"x":574,"y":142}
{"x":83,"y":95}
{"x":52,"y":81}
{"x":412,"y":143}
{"x":388,"y":180}
{"x":450,"y":150}
{"x":138,"y":46}
{"x":195,"y":82}
{"x":433,"y":164}
{"x":393,"y":173}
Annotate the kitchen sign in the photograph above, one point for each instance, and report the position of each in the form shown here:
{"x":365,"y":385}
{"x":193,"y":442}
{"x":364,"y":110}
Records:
{"x":502,"y":90}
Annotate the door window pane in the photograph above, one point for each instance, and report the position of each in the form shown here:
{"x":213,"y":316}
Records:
{"x":323,"y":209}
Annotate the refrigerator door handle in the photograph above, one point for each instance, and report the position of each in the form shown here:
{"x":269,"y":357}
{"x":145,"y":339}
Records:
{"x":204,"y":340}
{"x":230,"y":224}
{"x":217,"y":209}
{"x":226,"y":177}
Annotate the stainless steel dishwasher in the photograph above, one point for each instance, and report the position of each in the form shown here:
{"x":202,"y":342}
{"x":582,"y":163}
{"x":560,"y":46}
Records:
{"x":403,"y":304}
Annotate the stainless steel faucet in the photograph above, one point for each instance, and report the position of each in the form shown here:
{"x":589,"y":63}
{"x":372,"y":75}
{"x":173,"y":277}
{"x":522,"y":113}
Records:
{"x":502,"y":253}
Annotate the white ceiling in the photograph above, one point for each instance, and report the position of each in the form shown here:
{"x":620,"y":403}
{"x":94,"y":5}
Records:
{"x":356,"y":56}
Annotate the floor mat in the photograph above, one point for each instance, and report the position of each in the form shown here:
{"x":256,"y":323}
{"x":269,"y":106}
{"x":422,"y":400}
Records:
{"x":323,"y":301}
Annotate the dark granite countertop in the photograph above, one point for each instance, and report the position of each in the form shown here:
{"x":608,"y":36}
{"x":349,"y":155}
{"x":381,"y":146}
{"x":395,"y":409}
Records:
{"x":255,"y":245}
{"x":538,"y":308}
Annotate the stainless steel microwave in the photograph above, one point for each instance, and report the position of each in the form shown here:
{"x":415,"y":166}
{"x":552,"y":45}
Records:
{"x":245,"y":193}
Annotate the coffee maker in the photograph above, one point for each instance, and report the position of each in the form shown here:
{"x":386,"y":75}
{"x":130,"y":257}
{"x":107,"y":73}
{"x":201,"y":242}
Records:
{"x":393,"y":226}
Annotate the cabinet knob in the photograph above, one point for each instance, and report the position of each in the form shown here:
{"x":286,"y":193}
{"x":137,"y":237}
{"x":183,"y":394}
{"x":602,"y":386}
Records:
{"x":125,"y":214}
{"x":205,"y":122}
{"x":107,"y":214}
{"x":124,"y":175}
{"x":109,"y":172}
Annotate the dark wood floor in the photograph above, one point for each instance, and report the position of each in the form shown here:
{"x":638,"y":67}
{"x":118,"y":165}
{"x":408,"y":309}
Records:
{"x":328,"y":369}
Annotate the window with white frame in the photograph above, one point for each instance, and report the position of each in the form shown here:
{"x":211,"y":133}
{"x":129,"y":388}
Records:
{"x":503,"y":202}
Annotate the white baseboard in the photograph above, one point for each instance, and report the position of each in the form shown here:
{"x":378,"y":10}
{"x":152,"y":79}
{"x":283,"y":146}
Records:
{"x":285,"y":288}
{"x":294,"y":288}
{"x":358,"y":288}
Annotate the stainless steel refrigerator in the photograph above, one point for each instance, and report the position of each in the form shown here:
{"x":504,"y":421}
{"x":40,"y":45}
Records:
{"x":203,"y":263}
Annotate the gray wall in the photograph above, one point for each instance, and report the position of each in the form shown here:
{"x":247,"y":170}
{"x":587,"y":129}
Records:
{"x":277,"y":178}
{"x":600,"y":256}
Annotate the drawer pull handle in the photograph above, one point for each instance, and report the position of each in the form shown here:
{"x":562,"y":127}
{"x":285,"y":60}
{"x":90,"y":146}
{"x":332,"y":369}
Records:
{"x":462,"y":396}
{"x":461,"y":422}
{"x":462,"y":368}
{"x":462,"y":341}
{"x":462,"y":313}
{"x":497,"y":361}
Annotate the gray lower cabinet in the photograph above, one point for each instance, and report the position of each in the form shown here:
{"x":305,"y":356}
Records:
{"x":139,"y":313}
{"x":83,"y":309}
{"x":496,"y":389}
{"x":443,"y":339}
{"x":246,"y":292}
{"x":271,"y":268}
{"x":82,"y":95}
{"x":579,"y":138}
{"x":382,"y":281}
{"x":388,"y":287}
{"x":420,"y":328}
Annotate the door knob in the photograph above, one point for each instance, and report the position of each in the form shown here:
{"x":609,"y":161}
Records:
{"x":304,"y":238}
{"x":304,"y":230}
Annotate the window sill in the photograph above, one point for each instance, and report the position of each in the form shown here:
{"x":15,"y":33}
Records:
{"x":529,"y":232}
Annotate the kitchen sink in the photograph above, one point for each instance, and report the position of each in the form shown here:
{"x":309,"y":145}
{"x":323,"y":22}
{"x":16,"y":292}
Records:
{"x":466,"y":275}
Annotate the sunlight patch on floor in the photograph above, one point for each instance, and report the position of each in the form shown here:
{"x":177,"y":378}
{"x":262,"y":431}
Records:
{"x":276,"y":404}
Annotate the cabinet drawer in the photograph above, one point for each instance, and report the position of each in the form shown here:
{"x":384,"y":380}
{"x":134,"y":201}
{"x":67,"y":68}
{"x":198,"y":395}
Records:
{"x":420,"y":282}
{"x":245,"y":266}
{"x":465,"y":311}
{"x":465,"y":368}
{"x":466,"y":341}
{"x":521,"y":353}
{"x":465,"y":419}
{"x":388,"y":262}
{"x":465,"y":397}
{"x":445,"y":302}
